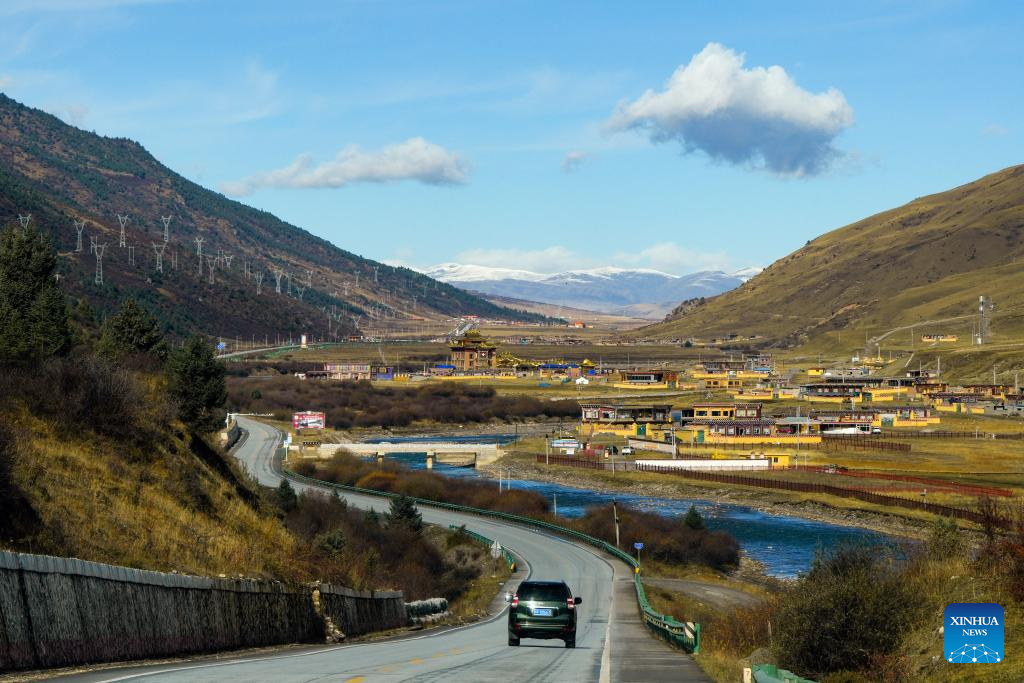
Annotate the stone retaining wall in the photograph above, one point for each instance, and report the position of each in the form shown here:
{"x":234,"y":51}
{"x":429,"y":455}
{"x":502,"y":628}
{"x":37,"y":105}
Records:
{"x":61,"y":612}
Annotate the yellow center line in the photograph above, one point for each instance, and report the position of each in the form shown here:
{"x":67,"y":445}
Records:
{"x":417,"y":660}
{"x":357,"y":679}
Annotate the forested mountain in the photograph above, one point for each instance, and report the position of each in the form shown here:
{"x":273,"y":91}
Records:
{"x":60,"y":174}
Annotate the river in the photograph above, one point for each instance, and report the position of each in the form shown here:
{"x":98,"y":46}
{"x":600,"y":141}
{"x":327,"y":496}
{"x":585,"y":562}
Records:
{"x":784,"y":544}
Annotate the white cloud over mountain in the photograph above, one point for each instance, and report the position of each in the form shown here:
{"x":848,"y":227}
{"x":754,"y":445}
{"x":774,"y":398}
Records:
{"x":753,"y":116}
{"x":415,"y":159}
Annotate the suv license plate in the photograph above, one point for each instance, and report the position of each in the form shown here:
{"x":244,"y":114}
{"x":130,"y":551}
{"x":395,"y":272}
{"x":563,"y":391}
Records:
{"x":542,"y":612}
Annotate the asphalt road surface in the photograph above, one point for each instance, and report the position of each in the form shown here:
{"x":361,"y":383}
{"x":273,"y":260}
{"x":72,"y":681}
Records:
{"x":612,"y":644}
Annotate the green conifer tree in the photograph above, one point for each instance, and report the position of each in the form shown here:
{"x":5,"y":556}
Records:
{"x":132,"y":330}
{"x":33,"y":310}
{"x":195,"y":380}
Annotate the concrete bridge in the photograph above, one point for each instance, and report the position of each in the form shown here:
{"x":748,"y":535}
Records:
{"x":453,"y":453}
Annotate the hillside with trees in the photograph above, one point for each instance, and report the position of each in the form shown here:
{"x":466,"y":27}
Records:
{"x":109,"y":453}
{"x":59,"y":174}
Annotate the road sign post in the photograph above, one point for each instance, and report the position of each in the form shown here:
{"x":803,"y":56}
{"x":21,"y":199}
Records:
{"x":639,"y":546}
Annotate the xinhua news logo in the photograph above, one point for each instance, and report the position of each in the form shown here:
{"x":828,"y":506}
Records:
{"x":973,"y":633}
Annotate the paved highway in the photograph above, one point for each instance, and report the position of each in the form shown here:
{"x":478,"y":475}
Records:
{"x":611,"y":644}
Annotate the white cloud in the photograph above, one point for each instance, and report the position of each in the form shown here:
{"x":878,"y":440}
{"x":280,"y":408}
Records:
{"x":414,"y":159}
{"x":994,"y":130}
{"x":753,"y":116}
{"x":73,"y":113}
{"x":664,"y":256}
{"x":573,"y":159}
{"x":6,"y":81}
{"x":552,"y":259}
{"x":672,"y":258}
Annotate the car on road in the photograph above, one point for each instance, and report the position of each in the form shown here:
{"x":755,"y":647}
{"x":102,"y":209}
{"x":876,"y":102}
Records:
{"x":542,"y":609}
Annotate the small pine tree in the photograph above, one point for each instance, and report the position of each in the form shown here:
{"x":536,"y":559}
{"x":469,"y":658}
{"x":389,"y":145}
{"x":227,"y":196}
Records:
{"x":132,"y":330}
{"x":286,"y":496}
{"x":403,"y":512}
{"x":195,"y":380}
{"x":693,"y":519}
{"x":33,"y":310}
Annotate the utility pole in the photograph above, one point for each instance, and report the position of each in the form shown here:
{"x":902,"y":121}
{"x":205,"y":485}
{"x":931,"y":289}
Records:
{"x":615,"y":517}
{"x":79,"y":226}
{"x":123,"y":220}
{"x":166,"y":220}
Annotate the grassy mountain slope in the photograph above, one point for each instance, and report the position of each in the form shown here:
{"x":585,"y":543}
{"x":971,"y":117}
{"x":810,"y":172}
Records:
{"x":58,"y":173}
{"x":928,"y":260}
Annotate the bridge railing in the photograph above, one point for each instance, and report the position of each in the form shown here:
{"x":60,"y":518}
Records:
{"x":685,"y":635}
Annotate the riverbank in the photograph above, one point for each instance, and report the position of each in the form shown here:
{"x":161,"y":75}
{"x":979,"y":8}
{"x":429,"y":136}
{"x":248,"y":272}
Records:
{"x":768,"y":502}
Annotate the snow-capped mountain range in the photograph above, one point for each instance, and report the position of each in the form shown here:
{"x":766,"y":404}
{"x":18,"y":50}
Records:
{"x":637,"y":292}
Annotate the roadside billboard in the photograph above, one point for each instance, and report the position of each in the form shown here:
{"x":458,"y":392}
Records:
{"x":309,"y":420}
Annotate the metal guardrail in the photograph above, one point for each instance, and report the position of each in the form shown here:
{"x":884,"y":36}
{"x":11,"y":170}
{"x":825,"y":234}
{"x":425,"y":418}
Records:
{"x":769,"y":673}
{"x":511,"y":561}
{"x":685,"y":635}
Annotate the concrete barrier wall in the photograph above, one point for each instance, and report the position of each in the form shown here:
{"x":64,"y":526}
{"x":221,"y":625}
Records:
{"x":62,"y":612}
{"x":357,"y":612}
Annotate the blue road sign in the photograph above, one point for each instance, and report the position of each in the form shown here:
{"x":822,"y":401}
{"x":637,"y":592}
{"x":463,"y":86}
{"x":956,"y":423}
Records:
{"x":221,"y":346}
{"x":638,"y":546}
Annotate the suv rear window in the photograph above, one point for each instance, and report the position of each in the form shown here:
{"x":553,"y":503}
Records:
{"x":543,"y":592}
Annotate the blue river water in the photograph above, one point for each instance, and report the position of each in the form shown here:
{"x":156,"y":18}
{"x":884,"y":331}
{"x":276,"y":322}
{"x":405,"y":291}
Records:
{"x":785,"y":544}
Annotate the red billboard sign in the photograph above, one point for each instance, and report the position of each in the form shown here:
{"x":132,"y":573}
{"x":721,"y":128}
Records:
{"x":309,"y":420}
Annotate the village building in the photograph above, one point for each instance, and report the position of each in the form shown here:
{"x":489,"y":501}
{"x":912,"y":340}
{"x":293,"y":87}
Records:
{"x":624,"y":419}
{"x":357,"y":371}
{"x":472,"y":353}
{"x":647,"y":379}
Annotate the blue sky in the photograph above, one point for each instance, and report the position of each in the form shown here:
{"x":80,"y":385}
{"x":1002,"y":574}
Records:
{"x":519,"y":134}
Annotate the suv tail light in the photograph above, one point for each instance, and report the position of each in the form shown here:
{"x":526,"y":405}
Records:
{"x":570,"y":603}
{"x":515,"y":601}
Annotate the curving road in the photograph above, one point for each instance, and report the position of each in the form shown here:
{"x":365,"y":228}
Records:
{"x":611,"y":644}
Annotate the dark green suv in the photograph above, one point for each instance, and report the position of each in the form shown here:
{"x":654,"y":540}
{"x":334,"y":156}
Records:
{"x":542,"y":609}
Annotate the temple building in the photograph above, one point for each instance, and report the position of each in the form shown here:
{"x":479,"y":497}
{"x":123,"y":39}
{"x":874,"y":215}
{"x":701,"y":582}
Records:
{"x":471,"y":352}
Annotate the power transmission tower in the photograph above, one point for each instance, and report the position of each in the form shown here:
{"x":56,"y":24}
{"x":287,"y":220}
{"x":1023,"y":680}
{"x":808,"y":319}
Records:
{"x":289,"y":283}
{"x":301,"y":291}
{"x":158,"y":249}
{"x":199,"y":253}
{"x":210,"y":262}
{"x":92,"y":244}
{"x":227,"y":260}
{"x":123,"y":220}
{"x":346,"y":290}
{"x":309,"y":278}
{"x":259,"y":282}
{"x":278,"y":274}
{"x":166,"y":220}
{"x":984,"y":315}
{"x":131,"y":254}
{"x":375,"y":274}
{"x":174,"y":258}
{"x":99,"y":248}
{"x":79,"y":227}
{"x":357,"y":279}
{"x":24,"y":220}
